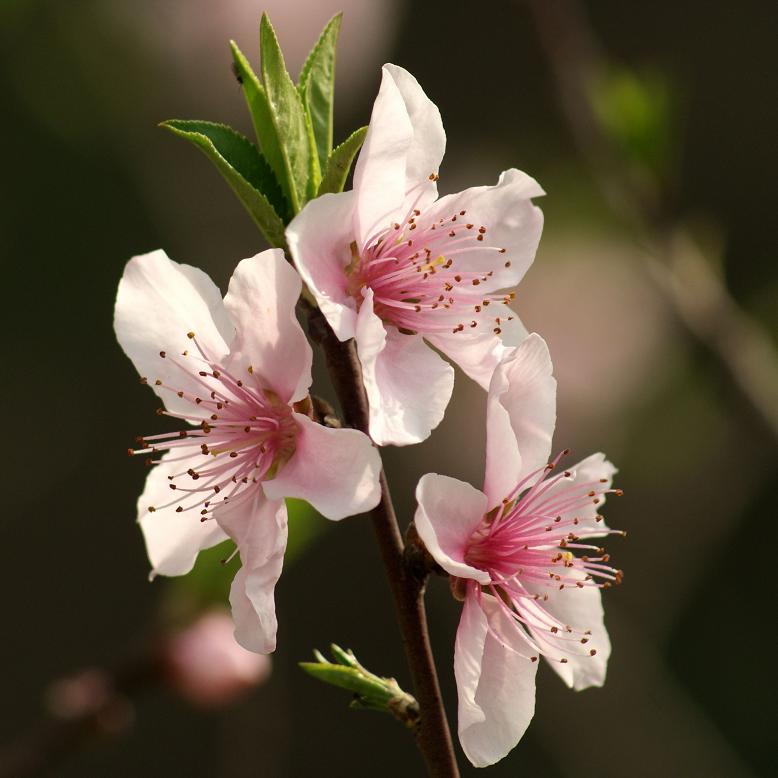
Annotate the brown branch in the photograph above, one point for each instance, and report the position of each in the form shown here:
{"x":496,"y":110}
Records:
{"x":678,"y":266}
{"x":432,"y":735}
{"x":90,"y":706}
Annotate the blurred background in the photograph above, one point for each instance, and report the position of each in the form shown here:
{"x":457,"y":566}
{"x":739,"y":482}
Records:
{"x":644,"y":373}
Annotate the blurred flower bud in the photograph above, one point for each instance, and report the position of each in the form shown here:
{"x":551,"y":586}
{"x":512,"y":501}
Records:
{"x":207,"y":667}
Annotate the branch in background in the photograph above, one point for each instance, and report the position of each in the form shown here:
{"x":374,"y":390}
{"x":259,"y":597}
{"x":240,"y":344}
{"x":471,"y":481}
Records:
{"x":90,"y":706}
{"x":432,"y":734}
{"x":683,"y":274}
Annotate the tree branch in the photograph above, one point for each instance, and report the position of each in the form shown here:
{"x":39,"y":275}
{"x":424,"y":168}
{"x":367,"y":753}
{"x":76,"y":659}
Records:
{"x":678,"y":266}
{"x":433,"y":736}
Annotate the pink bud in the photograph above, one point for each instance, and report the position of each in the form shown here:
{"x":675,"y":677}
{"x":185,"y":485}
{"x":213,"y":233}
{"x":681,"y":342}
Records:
{"x":207,"y":667}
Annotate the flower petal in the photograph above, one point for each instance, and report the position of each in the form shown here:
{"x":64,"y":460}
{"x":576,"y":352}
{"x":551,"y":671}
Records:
{"x":429,"y":139}
{"x":408,"y":385}
{"x":506,"y":688}
{"x":580,"y":609}
{"x":336,"y":471}
{"x":261,"y":302}
{"x":379,"y":176}
{"x":520,"y":417}
{"x":158,"y":302}
{"x":597,"y":471}
{"x":259,"y":529}
{"x":448,"y":513}
{"x":511,"y":220}
{"x":478,"y":355}
{"x":173,"y":540}
{"x":319,"y":238}
{"x":468,"y":659}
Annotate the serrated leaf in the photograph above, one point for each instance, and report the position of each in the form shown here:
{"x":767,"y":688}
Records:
{"x":317,"y":87}
{"x":244,"y":169}
{"x":339,"y":162}
{"x":262,"y":119}
{"x":289,"y":118}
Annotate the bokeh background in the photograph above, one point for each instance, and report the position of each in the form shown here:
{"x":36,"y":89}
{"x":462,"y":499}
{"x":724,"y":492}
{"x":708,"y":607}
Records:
{"x":88,"y":180}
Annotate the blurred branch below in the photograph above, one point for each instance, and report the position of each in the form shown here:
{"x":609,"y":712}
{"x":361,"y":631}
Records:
{"x":82,"y":709}
{"x":679,"y":267}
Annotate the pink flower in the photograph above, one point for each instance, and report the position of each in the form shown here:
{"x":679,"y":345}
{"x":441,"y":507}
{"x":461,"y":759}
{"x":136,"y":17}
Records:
{"x":232,"y":370}
{"x":206,"y":665}
{"x":509,"y":551}
{"x":398,"y":269}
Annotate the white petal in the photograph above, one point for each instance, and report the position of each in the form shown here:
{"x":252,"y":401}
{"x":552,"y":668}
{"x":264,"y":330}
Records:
{"x":580,"y":609}
{"x":589,"y":471}
{"x":520,"y":417}
{"x":512,"y":222}
{"x":319,"y":238}
{"x":259,"y":529}
{"x":479,"y":355}
{"x":448,"y":513}
{"x":261,"y":302}
{"x":408,"y":385}
{"x":429,"y":139}
{"x":379,"y":176}
{"x":336,"y":471}
{"x":468,"y":659}
{"x":158,"y":302}
{"x":173,"y":540}
{"x":505,"y":693}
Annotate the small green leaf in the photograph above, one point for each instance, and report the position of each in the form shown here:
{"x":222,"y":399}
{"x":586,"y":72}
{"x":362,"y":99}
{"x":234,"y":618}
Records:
{"x":339,"y":162}
{"x":289,"y":118}
{"x":244,"y":169}
{"x":262,"y":119}
{"x":317,"y":87}
{"x":371,"y":691}
{"x":348,"y":678}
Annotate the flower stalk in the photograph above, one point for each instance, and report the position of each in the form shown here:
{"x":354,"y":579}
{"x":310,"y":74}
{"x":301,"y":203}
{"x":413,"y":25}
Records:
{"x":432,"y":734}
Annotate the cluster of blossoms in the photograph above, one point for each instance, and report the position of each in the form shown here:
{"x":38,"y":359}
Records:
{"x":409,"y":276}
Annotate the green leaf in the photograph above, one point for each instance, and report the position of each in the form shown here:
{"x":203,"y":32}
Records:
{"x":289,"y":118}
{"x":371,"y":691}
{"x":317,"y":87}
{"x":339,"y":162}
{"x":244,"y":169}
{"x":262,"y":119}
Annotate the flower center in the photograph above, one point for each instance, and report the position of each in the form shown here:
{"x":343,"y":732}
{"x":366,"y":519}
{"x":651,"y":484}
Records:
{"x":244,"y":434}
{"x":418,"y":285}
{"x":526,"y":545}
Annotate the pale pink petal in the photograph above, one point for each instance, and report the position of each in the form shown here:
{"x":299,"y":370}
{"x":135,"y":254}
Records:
{"x":597,"y":471}
{"x":158,"y":302}
{"x":259,"y":529}
{"x":506,"y":685}
{"x":379,"y":176}
{"x":336,"y":471}
{"x":408,"y":385}
{"x":468,"y":658}
{"x":261,"y":302}
{"x":173,"y":540}
{"x":512,"y":222}
{"x":448,"y":513}
{"x":580,"y":609}
{"x":429,"y":139}
{"x":479,"y":355}
{"x":319,"y":239}
{"x":520,"y":417}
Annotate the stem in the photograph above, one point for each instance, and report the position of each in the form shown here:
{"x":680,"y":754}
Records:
{"x":678,"y":266}
{"x":432,"y":736}
{"x":105,"y":708}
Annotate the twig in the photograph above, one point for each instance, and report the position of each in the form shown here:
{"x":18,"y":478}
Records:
{"x":676,"y":263}
{"x":432,"y":734}
{"x":96,"y":704}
